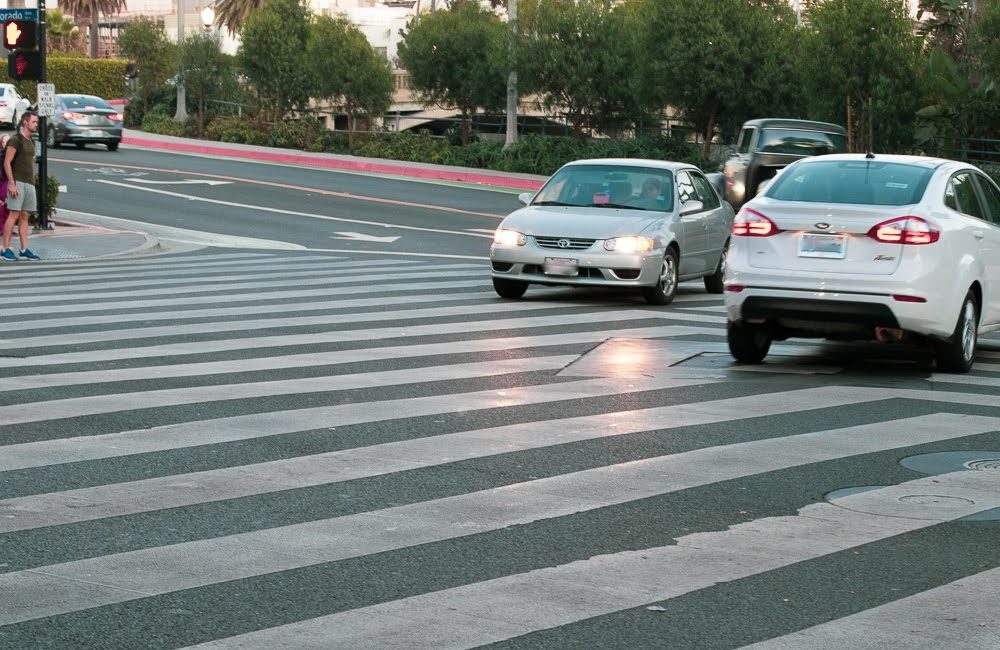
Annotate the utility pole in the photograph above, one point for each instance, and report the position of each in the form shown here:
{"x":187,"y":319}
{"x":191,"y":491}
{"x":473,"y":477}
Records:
{"x":43,"y":126}
{"x":512,"y":75}
{"x":181,"y":114}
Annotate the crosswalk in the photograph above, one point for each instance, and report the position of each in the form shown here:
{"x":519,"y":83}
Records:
{"x":266,"y":450}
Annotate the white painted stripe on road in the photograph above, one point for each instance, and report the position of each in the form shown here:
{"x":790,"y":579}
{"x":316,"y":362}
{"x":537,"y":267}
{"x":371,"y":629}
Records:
{"x":279,"y":322}
{"x":340,"y":336}
{"x":249,"y":427}
{"x":961,"y":614}
{"x":81,"y":293}
{"x":743,"y":550}
{"x":547,"y":598}
{"x":257,"y":364}
{"x":192,"y":302}
{"x":309,"y":215}
{"x":350,"y":464}
{"x":99,"y":404}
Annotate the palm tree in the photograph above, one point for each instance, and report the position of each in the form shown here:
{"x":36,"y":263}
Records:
{"x":90,"y":11}
{"x":61,"y":32}
{"x":231,"y":14}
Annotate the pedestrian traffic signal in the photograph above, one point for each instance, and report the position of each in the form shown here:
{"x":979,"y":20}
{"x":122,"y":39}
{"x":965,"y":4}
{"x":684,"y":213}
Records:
{"x":24,"y":64}
{"x":19,"y":34}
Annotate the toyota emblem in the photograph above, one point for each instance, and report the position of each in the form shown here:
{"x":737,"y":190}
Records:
{"x":563,"y":243}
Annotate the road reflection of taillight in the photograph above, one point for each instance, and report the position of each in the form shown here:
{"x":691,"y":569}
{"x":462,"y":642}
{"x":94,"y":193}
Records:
{"x":750,"y":223}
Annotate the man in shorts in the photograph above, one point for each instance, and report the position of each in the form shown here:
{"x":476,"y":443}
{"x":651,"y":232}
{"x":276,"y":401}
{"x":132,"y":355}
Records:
{"x":19,"y":168}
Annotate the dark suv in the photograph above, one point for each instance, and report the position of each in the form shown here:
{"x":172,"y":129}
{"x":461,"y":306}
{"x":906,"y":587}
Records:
{"x":767,"y":145}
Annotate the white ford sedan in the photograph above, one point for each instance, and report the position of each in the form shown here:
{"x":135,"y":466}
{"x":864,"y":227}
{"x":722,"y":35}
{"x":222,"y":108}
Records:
{"x":621,"y":223}
{"x":865,"y":246}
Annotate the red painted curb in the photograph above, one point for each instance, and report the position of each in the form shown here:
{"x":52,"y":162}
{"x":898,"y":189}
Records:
{"x":470,"y":176}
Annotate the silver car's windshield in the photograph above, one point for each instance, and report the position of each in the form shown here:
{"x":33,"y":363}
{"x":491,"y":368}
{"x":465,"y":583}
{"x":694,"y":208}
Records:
{"x":867,"y":182}
{"x":609,"y":186}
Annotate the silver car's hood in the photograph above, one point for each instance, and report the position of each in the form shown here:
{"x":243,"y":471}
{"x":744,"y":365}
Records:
{"x":589,"y":223}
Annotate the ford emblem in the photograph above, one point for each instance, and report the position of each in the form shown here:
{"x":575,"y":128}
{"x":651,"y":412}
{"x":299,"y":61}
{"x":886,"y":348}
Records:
{"x":822,"y":225}
{"x":563,"y":243}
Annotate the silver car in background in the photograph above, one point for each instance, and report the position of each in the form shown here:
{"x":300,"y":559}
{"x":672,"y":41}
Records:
{"x":84,"y":119}
{"x":620,"y":223}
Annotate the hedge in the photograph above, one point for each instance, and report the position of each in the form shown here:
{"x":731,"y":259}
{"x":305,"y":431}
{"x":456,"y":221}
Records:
{"x":101,"y":77}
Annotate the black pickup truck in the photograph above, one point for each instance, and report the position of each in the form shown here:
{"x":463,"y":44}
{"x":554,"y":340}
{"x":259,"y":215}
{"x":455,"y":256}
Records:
{"x":767,"y":145}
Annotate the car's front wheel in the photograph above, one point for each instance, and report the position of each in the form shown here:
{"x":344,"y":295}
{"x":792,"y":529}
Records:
{"x":713,"y":283}
{"x":663,"y":292}
{"x":956,"y":354}
{"x":512,"y":289}
{"x":748,"y":343}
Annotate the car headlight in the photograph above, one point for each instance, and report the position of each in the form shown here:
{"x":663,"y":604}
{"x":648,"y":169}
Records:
{"x":504,"y":237}
{"x":629,"y":244}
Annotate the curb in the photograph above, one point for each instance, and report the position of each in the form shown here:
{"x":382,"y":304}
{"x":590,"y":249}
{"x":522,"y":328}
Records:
{"x":441,"y":173}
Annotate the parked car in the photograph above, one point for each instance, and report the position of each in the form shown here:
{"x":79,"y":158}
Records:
{"x":12,"y":104}
{"x":620,"y":223}
{"x":83,"y":119}
{"x":859,"y":247}
{"x":767,"y":145}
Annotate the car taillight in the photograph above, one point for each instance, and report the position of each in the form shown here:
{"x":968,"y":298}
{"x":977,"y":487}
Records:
{"x":750,"y":223}
{"x":905,"y":230}
{"x":117,"y":117}
{"x":72,"y":117}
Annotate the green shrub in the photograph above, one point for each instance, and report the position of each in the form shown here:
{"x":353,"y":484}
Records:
{"x":158,"y":122}
{"x":102,"y":77}
{"x":300,"y":133}
{"x":51,"y":199}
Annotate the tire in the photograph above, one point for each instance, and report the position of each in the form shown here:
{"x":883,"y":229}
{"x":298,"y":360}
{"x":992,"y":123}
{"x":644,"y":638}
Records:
{"x":80,"y":145}
{"x":113,"y":146}
{"x":748,"y":343}
{"x":713,"y":283}
{"x":510,"y":289}
{"x":956,"y":354}
{"x":663,"y":292}
{"x":50,"y":138}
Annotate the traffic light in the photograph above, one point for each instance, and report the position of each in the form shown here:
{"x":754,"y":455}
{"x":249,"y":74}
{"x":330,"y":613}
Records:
{"x":19,"y":34}
{"x":24,"y":64}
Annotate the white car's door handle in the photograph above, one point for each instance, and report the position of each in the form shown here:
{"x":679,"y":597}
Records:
{"x":978,"y":234}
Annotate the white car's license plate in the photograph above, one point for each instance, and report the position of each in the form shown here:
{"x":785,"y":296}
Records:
{"x":93,"y":133}
{"x":815,"y":244}
{"x":560,"y":266}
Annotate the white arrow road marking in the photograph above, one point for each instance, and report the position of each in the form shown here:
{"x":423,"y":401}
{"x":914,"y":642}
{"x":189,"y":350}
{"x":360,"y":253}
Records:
{"x":186,"y":181}
{"x":357,"y":236}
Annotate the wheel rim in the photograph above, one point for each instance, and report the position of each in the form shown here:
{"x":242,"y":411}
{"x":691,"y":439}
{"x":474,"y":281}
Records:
{"x":722,"y":260}
{"x":968,"y":330}
{"x":50,"y":137}
{"x":667,"y":272}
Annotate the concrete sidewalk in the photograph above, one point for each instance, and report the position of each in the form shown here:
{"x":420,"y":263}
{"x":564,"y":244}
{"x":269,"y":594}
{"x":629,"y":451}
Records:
{"x":69,"y":240}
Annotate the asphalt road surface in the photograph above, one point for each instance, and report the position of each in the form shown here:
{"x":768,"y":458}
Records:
{"x":251,"y":447}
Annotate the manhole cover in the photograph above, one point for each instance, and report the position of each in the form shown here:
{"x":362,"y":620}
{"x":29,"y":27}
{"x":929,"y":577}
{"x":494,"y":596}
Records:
{"x":985,"y":465}
{"x":933,"y":500}
{"x":953,"y":461}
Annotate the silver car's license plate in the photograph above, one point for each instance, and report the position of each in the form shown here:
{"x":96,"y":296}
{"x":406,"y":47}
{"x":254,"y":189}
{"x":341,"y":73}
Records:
{"x":94,"y":133}
{"x":814,"y":244}
{"x":560,"y":266}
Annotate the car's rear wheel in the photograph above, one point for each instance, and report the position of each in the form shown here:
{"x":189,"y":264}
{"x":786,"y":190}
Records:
{"x":713,"y":283}
{"x":80,"y":145}
{"x":512,"y":289}
{"x":748,"y":343}
{"x":663,"y":292}
{"x":113,"y":146}
{"x":956,"y":354}
{"x":50,"y":138}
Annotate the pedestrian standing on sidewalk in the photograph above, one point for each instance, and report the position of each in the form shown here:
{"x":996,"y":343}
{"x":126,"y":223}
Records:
{"x":19,"y":169}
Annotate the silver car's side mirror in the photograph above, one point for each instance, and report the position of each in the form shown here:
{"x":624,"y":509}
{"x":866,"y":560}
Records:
{"x":525,"y":197}
{"x":692,"y":207}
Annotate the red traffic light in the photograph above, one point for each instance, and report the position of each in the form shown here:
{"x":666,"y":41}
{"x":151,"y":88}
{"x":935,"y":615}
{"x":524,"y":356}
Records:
{"x":19,"y":34}
{"x":24,"y":64}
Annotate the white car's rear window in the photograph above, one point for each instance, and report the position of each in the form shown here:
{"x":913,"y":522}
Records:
{"x":865,"y":182}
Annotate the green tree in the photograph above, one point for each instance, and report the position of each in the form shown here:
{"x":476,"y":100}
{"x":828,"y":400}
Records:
{"x":458,"y":59}
{"x":345,"y":69}
{"x":861,"y":64}
{"x":716,"y":76}
{"x":89,"y":12}
{"x":578,"y":57}
{"x":209,"y":73}
{"x":61,"y":34}
{"x":272,"y":56}
{"x":145,"y":42}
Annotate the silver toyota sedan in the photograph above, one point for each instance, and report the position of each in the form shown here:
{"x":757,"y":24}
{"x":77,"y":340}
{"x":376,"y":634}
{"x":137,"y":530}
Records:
{"x":624,"y":223}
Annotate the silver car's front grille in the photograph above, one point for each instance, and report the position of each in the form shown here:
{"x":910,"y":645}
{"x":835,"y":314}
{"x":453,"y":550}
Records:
{"x":565,"y":243}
